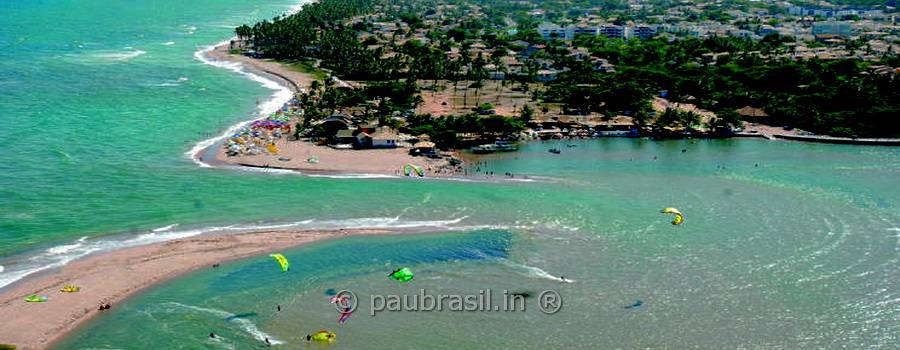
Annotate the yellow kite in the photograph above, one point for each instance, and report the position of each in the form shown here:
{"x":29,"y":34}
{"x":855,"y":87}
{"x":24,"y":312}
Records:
{"x":282,"y":261}
{"x":679,"y":218}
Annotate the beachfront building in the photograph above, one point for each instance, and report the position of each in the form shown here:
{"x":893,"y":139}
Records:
{"x":345,"y":137}
{"x":335,"y":123}
{"x":383,"y":138}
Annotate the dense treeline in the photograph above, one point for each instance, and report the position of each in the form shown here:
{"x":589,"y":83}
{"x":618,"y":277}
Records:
{"x":317,"y":31}
{"x":838,"y":97}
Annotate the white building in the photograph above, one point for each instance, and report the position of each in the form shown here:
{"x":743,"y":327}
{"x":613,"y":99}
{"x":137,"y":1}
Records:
{"x":832,"y":28}
{"x":554,"y":31}
{"x":613,"y":31}
{"x":643,"y":32}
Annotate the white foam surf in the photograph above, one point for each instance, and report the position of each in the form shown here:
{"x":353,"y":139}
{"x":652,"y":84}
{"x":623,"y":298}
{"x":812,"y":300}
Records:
{"x":281,"y":95}
{"x":168,"y":43}
{"x":279,"y":98}
{"x":297,"y":7}
{"x":165,"y":228}
{"x":59,"y":256}
{"x":120,"y":56}
{"x":246,"y":325}
{"x":354,"y":176}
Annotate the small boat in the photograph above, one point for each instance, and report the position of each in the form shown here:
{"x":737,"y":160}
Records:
{"x":484,"y":149}
{"x":499,"y":146}
{"x":506,"y":147}
{"x":554,"y":151}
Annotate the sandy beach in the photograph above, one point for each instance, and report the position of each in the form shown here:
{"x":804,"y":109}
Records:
{"x":336,"y":161}
{"x":114,"y":276}
{"x":294,"y":155}
{"x":294,"y":80}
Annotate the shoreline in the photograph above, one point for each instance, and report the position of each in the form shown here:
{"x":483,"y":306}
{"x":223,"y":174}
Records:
{"x":112,"y":277}
{"x":335,"y":163}
{"x":383,"y":163}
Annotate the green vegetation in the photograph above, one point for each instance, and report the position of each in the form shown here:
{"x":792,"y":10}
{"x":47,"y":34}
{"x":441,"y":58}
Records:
{"x":448,"y":132}
{"x":391,"y":44}
{"x":308,"y":67}
{"x":837,"y":97}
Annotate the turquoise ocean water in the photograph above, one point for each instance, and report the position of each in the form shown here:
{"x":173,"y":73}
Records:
{"x":785,"y":244}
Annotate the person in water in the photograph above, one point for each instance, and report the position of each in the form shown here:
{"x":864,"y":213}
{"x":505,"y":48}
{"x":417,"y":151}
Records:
{"x":212,"y":335}
{"x":278,"y":307}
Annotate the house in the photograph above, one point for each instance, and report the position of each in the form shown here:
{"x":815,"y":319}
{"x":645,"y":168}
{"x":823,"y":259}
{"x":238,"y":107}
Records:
{"x":531,"y":50}
{"x":345,"y":136}
{"x":368,"y":127}
{"x":751,"y":113}
{"x":423,"y":147}
{"x":602,"y":65}
{"x":384,"y":138}
{"x":363,"y":140}
{"x":335,"y":123}
{"x":545,"y":75}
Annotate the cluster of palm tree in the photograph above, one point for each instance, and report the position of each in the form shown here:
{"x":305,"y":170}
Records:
{"x":838,"y":97}
{"x":834,"y":97}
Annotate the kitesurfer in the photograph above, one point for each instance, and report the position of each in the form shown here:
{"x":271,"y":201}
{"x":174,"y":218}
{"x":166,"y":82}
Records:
{"x":212,"y":335}
{"x":278,"y":307}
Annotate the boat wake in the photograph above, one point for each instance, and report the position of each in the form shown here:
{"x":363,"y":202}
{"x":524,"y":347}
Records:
{"x":246,"y":325}
{"x":535,"y":272}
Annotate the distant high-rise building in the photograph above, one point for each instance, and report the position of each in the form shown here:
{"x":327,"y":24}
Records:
{"x":832,"y":28}
{"x":554,"y":31}
{"x":613,"y":31}
{"x":643,"y":32}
